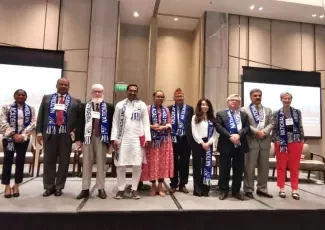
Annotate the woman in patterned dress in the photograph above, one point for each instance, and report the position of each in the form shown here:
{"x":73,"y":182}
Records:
{"x":159,"y":156}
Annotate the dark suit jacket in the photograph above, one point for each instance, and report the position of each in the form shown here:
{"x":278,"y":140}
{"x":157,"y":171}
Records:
{"x":188,"y":120}
{"x":110,"y":113}
{"x":73,"y":117}
{"x":222,"y":127}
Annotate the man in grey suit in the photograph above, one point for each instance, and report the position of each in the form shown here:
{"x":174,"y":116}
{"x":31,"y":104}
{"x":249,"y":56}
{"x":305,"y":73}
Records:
{"x":57,"y":128}
{"x":259,"y":141}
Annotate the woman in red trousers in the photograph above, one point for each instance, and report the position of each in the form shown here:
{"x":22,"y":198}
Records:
{"x":288,"y":138}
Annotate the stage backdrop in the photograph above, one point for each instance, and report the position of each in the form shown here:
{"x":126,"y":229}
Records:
{"x":304,"y":86}
{"x":34,"y":70}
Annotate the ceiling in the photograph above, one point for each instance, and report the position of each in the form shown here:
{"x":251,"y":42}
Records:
{"x":290,"y":10}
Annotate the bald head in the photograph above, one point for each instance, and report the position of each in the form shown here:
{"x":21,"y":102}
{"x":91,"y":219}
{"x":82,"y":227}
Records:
{"x":62,"y":85}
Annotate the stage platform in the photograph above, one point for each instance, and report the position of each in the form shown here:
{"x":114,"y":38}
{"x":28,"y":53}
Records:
{"x":177,"y":211}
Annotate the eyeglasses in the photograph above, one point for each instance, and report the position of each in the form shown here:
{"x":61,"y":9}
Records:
{"x":96,"y":91}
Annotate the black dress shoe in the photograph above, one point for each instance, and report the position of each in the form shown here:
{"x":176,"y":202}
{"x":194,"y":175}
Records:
{"x":183,"y":189}
{"x":58,"y":192}
{"x":48,"y":192}
{"x":83,"y":194}
{"x":197,"y":193}
{"x":249,"y":194}
{"x":223,"y":196}
{"x":238,"y":196}
{"x":102,"y":194}
{"x":265,"y":194}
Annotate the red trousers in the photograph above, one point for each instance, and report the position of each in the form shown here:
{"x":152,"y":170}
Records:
{"x":290,"y":160}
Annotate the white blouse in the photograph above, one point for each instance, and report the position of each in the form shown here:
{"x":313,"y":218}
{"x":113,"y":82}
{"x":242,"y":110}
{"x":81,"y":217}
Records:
{"x":200,"y":131}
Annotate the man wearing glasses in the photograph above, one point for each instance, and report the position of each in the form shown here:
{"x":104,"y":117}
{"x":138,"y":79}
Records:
{"x":96,"y":119}
{"x":233,"y":127}
{"x":181,"y":117}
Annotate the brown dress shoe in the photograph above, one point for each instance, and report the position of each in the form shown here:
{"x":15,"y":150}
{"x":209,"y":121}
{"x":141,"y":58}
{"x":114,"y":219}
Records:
{"x":172,"y":190}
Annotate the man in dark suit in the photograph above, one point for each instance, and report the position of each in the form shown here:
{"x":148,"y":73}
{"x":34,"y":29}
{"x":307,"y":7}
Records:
{"x":233,"y":126}
{"x":96,"y":125}
{"x":181,"y":117}
{"x":57,"y":128}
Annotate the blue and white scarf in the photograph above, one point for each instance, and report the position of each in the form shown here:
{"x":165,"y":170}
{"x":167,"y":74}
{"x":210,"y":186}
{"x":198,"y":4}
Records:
{"x":136,"y":116}
{"x":178,"y":126}
{"x":158,"y":137}
{"x":13,"y":121}
{"x":283,"y":130}
{"x":233,"y":123}
{"x":207,"y":171}
{"x":103,"y":121}
{"x":51,"y":127}
{"x":259,"y":116}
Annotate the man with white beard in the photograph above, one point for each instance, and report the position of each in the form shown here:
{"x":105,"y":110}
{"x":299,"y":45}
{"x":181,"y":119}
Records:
{"x":97,"y":116}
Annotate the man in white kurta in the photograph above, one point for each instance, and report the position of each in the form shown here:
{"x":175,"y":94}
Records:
{"x":130,"y":135}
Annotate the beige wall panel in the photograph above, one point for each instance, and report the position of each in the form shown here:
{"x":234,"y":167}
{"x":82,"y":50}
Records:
{"x":286,"y":44}
{"x":174,"y":62}
{"x":78,"y":81}
{"x":233,"y":69}
{"x":307,"y":47}
{"x":234,"y":35}
{"x":101,"y":71}
{"x":196,"y":74}
{"x":243,"y":35}
{"x":259,"y":40}
{"x":52,"y":24}
{"x":320,"y":47}
{"x":254,"y":64}
{"x":23,"y":22}
{"x":216,"y":47}
{"x":153,"y":33}
{"x":75,"y":24}
{"x":133,"y":57}
{"x":76,"y":60}
{"x":104,"y":15}
{"x":234,"y":88}
{"x":217,"y":89}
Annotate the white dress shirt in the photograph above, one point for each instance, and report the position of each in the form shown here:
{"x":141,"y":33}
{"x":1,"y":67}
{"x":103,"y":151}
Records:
{"x":200,"y":130}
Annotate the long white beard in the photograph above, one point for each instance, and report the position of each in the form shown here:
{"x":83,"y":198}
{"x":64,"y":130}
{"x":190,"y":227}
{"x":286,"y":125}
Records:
{"x":97,"y":100}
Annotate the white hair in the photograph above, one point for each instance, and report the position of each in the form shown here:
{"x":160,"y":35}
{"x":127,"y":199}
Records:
{"x":97,"y":86}
{"x":233,"y":96}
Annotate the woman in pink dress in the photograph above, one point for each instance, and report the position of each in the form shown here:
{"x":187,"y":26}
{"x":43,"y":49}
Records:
{"x":159,"y":156}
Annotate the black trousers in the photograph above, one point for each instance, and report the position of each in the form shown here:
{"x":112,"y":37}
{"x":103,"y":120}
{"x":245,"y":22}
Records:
{"x":57,"y":149}
{"x":182,"y":153}
{"x":235,"y":159}
{"x":199,"y":155}
{"x":8,"y":160}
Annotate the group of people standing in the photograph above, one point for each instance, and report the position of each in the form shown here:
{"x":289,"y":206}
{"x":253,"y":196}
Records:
{"x":157,"y":141}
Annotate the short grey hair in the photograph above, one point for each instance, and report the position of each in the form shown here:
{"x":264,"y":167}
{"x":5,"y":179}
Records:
{"x":254,"y":91}
{"x":233,"y":96}
{"x":97,"y":86}
{"x":285,"y":94}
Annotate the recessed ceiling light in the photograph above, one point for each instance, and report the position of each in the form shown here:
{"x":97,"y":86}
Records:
{"x":252,"y":7}
{"x":175,"y":19}
{"x":261,"y":8}
{"x":314,"y":15}
{"x":321,"y":16}
{"x":135,"y":14}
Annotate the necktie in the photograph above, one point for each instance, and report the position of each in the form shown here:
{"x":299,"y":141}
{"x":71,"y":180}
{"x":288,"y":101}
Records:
{"x":96,"y":123}
{"x":59,"y":113}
